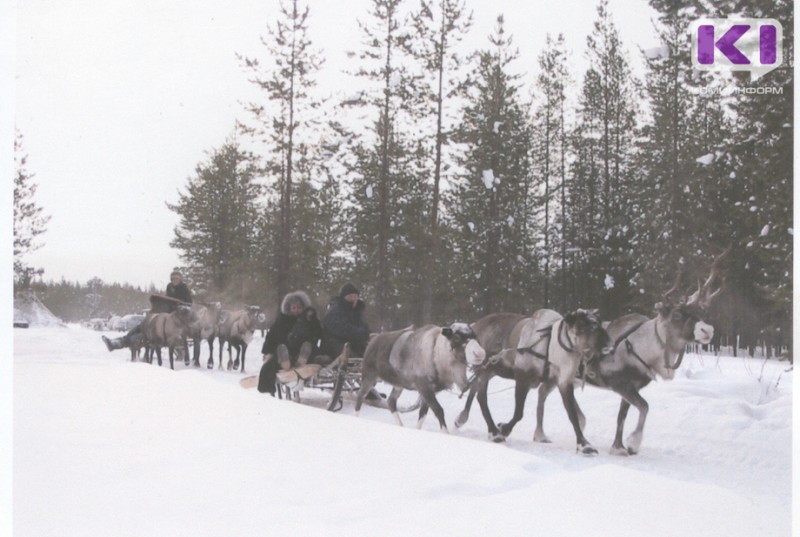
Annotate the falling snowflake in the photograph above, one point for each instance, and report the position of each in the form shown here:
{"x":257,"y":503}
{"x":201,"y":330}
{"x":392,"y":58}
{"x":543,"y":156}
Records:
{"x":609,"y":281}
{"x":488,"y":178}
{"x":765,"y":231}
{"x":369,"y":191}
{"x":705,"y":160}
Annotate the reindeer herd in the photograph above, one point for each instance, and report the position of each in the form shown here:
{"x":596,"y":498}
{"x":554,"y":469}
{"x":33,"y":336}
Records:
{"x":546,"y":351}
{"x":198,"y":323}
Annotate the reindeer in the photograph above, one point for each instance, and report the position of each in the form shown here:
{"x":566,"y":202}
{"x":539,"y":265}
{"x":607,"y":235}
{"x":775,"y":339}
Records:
{"x":237,"y":330}
{"x":205,"y":328}
{"x":167,"y":330}
{"x":552,"y":349}
{"x":427,"y":359}
{"x":645,"y":349}
{"x":494,"y":332}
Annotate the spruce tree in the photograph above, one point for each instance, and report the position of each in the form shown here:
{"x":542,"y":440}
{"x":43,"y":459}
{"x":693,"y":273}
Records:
{"x":438,"y":28}
{"x":30,"y":222}
{"x":603,"y":172}
{"x":384,"y":211}
{"x":489,"y":203}
{"x":216,"y":233}
{"x":287,"y":123}
{"x":549,"y":150}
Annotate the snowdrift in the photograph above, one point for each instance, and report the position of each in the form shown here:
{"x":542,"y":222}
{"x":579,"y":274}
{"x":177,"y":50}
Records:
{"x":103,"y":446}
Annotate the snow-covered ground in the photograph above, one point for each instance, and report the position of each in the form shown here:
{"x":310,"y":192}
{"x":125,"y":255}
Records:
{"x":103,"y":446}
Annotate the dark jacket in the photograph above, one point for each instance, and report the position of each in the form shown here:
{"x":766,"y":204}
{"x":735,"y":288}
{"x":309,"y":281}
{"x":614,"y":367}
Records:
{"x":307,"y":328}
{"x":344,"y":323}
{"x":180,"y":291}
{"x":279,"y":334}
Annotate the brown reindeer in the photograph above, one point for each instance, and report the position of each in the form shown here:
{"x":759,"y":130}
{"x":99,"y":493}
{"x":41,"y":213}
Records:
{"x":237,"y":330}
{"x":205,"y":328}
{"x":494,"y":333}
{"x":427,"y":359}
{"x":167,"y":330}
{"x":553,"y":349}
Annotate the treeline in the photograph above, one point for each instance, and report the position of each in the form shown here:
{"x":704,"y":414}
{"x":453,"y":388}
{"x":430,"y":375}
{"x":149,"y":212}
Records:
{"x":75,"y":302}
{"x":446,"y":188}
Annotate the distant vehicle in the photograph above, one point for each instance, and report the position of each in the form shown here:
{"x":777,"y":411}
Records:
{"x":129,"y":322}
{"x":115,"y":323}
{"x":97,"y":324}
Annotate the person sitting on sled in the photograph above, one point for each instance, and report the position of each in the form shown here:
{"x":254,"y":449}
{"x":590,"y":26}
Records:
{"x":292,"y":340}
{"x":344,"y":322}
{"x":177,"y":290}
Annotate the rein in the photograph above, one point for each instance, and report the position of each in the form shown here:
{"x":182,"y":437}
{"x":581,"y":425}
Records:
{"x":650,"y":372}
{"x":569,"y":349}
{"x":666,"y":351}
{"x":546,"y":333}
{"x":631,"y":350}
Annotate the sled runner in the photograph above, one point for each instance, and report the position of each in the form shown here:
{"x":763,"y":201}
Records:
{"x":337,"y":379}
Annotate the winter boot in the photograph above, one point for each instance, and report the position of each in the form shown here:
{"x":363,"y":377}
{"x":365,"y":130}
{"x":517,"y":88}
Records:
{"x":283,"y":358}
{"x":114,"y":344}
{"x":304,"y":354}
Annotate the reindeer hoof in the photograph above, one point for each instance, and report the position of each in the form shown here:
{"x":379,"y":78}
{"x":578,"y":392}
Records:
{"x":497,"y":438}
{"x":587,"y":450}
{"x":461,"y":420}
{"x":619,"y":451}
{"x":505,"y":429}
{"x":632,"y":451}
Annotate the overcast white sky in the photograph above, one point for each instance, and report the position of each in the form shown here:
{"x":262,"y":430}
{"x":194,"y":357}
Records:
{"x":118,"y":100}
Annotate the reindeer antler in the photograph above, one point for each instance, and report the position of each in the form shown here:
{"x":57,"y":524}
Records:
{"x":703,"y":296}
{"x":675,"y":287}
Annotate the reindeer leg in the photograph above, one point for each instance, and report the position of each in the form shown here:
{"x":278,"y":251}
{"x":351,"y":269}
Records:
{"x":544,"y":391}
{"x":369,"y":378}
{"x":244,"y":352}
{"x":429,"y":398}
{"x":392,"y":403}
{"x":483,"y":401}
{"x":158,"y":353}
{"x":230,"y":356}
{"x":568,"y":397}
{"x":238,"y":354}
{"x":423,"y":413}
{"x":618,"y":448}
{"x":210,"y":352}
{"x":635,"y":439}
{"x":196,"y":351}
{"x":521,"y":389}
{"x":171,"y":351}
{"x":464,"y":416}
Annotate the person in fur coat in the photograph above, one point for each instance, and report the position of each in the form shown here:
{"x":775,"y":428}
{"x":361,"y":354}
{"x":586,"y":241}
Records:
{"x":290,"y":340}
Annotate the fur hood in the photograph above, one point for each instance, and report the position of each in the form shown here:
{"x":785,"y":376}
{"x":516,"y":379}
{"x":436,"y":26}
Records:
{"x":291,"y":297}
